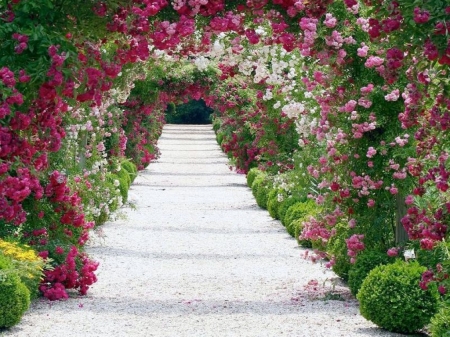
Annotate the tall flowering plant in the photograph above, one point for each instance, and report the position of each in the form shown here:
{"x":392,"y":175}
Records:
{"x":54,"y":124}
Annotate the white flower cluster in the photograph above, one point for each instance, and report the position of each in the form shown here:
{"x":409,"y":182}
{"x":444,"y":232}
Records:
{"x":304,"y":125}
{"x":268,"y":95}
{"x":201,"y":63}
{"x":294,"y":109}
{"x":283,"y":182}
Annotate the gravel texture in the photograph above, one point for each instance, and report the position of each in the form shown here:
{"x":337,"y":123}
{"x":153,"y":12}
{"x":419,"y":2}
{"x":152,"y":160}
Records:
{"x":197,"y":257}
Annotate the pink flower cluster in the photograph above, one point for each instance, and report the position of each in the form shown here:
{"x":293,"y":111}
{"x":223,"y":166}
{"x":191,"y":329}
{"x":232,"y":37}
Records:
{"x":438,"y":276}
{"x":66,"y":276}
{"x":22,"y":42}
{"x":354,"y":246}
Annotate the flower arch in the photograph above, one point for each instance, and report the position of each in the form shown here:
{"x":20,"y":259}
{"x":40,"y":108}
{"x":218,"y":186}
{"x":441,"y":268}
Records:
{"x":351,"y":95}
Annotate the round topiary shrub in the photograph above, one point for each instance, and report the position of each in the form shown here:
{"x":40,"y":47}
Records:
{"x":284,"y":206}
{"x":123,"y":174}
{"x":391,"y":298}
{"x":272,"y":203}
{"x":365,"y":262}
{"x":251,"y":175}
{"x":288,"y":215}
{"x":257,"y":182}
{"x":14,"y":299}
{"x":130,"y":168}
{"x":298,"y":211}
{"x":440,"y":323}
{"x":262,"y":194}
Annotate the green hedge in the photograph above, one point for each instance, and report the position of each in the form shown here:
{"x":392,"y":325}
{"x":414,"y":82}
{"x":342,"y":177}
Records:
{"x":130,"y":168}
{"x":298,"y":211}
{"x":284,"y":206}
{"x":263,"y":190}
{"x":123,"y":174}
{"x":257,"y":182}
{"x":251,"y":175}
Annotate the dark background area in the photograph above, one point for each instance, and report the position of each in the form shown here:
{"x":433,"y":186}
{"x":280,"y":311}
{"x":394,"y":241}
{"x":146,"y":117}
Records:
{"x":193,"y":112}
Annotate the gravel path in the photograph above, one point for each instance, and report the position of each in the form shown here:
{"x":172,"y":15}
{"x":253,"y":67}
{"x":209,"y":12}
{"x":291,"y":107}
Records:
{"x":197,"y":257}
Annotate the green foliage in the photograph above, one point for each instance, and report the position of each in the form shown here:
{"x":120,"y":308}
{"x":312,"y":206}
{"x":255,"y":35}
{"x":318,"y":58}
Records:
{"x":430,"y":258}
{"x":273,"y":203}
{"x":216,"y":122}
{"x":259,"y":190}
{"x":25,"y":262}
{"x":262,"y":193}
{"x":337,"y":247}
{"x":31,"y":275}
{"x":5,"y":262}
{"x":298,"y":211}
{"x":113,"y":202}
{"x":365,"y":262}
{"x":284,"y":206}
{"x":251,"y":175}
{"x":130,"y":168}
{"x":391,"y":298}
{"x":219,"y":137}
{"x":14,"y":299}
{"x":440,"y":323}
{"x":123,"y":174}
{"x":124,"y":184}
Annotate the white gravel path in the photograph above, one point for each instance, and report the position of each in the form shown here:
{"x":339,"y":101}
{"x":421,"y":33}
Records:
{"x":197,"y":257}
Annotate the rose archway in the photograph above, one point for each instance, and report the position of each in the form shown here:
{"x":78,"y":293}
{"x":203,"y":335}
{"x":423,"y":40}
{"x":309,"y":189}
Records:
{"x":342,"y":102}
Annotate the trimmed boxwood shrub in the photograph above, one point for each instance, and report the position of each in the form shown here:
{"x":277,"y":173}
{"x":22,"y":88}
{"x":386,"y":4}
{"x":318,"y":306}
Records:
{"x":284,"y":206}
{"x":298,"y":211}
{"x":337,"y":247}
{"x":130,"y":168}
{"x":365,"y":262}
{"x":391,"y":298}
{"x":123,"y":184}
{"x":251,"y":175}
{"x":262,"y":193}
{"x":259,"y":179}
{"x":440,"y":323}
{"x":272,"y":203}
{"x":14,"y":299}
{"x":123,"y":174}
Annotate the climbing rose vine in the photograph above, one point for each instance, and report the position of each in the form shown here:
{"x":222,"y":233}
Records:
{"x":352,"y":96}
